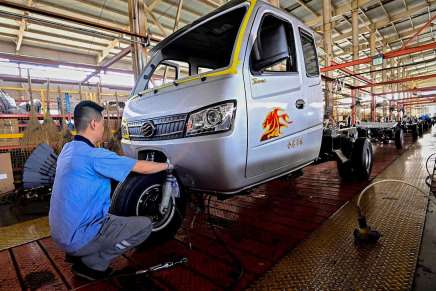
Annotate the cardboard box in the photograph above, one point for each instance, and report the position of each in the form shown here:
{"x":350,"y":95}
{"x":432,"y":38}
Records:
{"x":6,"y":174}
{"x":8,"y":126}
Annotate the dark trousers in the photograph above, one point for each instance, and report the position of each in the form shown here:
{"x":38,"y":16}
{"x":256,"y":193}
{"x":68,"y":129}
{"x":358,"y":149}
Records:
{"x":117,"y":235}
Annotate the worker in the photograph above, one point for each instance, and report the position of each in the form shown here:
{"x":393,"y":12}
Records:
{"x":79,"y":220}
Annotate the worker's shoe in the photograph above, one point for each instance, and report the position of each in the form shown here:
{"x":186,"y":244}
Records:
{"x":72,"y":259}
{"x":83,"y":271}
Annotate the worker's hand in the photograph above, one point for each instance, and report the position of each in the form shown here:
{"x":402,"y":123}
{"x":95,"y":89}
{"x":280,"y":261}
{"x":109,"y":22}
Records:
{"x":147,"y":167}
{"x":170,"y":166}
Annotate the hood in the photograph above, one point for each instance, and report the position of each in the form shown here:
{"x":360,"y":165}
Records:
{"x":185,"y":97}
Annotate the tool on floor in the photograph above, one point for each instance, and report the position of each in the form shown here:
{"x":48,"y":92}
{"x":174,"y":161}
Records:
{"x":163,"y":266}
{"x":363,"y":234}
{"x":159,"y":267}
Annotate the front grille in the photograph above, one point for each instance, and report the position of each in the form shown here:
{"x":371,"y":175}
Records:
{"x":168,"y":127}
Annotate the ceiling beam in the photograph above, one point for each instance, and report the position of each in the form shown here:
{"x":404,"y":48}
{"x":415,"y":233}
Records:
{"x":178,"y":13}
{"x":109,"y":62}
{"x":415,"y":35}
{"x":20,"y":34}
{"x":153,"y":4}
{"x":388,"y":55}
{"x":388,"y":42}
{"x":35,"y":80}
{"x":396,"y":81}
{"x":65,"y":17}
{"x":23,"y":26}
{"x":338,"y":12}
{"x":364,"y":27}
{"x":106,"y":51}
{"x":155,"y":21}
{"x":54,"y":63}
{"x":422,"y":89}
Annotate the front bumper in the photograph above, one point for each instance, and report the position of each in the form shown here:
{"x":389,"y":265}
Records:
{"x":213,"y":163}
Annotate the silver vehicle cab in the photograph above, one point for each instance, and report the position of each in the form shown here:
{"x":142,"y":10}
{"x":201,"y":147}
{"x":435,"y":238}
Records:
{"x":232,"y":100}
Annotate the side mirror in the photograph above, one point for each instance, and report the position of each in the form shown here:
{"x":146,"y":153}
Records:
{"x":270,"y":47}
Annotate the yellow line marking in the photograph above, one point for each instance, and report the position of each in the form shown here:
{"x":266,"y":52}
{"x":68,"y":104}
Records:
{"x":10,"y":135}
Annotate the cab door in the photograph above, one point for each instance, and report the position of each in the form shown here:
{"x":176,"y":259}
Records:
{"x":275,"y":103}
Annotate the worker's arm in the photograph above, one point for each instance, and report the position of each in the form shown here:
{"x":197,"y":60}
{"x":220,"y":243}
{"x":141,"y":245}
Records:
{"x":147,"y":167}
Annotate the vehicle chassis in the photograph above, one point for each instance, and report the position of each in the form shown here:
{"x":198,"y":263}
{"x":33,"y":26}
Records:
{"x":382,"y":132}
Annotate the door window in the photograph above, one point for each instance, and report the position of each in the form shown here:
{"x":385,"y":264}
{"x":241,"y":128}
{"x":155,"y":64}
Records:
{"x":309,"y":53}
{"x":273,"y":50}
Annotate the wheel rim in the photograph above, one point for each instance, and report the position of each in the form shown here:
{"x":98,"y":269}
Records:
{"x":148,"y":205}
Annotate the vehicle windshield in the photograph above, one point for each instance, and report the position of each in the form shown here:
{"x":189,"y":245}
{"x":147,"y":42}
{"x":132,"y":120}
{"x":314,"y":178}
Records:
{"x":202,"y":48}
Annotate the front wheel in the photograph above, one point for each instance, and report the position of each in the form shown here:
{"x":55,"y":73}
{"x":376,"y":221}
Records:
{"x":140,"y":195}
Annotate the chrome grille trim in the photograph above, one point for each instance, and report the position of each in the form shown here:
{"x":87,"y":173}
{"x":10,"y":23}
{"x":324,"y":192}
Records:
{"x":167,"y":127}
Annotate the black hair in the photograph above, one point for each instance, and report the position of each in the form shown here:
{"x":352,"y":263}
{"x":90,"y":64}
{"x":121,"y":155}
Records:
{"x":86,"y":111}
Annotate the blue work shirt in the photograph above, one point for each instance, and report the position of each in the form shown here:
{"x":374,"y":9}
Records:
{"x":80,"y":198}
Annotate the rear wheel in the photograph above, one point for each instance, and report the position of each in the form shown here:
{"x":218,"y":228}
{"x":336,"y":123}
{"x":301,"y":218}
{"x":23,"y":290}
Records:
{"x":345,"y":170}
{"x":415,"y":132}
{"x":140,"y":195}
{"x":420,"y":130}
{"x":399,"y":138}
{"x":359,"y":163}
{"x":362,"y":159}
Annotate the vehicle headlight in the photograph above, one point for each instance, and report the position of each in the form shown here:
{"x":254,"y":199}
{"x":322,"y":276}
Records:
{"x":124,"y":129}
{"x":213,"y":119}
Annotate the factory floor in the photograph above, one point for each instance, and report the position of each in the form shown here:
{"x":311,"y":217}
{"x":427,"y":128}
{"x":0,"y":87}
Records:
{"x":289,"y":233}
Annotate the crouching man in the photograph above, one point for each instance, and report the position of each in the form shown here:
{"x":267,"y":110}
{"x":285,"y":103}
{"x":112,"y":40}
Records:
{"x":79,"y":219}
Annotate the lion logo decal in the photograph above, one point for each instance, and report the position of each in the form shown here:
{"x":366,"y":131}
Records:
{"x":273,"y":124}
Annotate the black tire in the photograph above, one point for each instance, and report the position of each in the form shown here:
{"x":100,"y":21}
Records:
{"x":346,"y":146}
{"x":425,"y":126}
{"x":361,"y":132}
{"x":399,"y":138}
{"x":415,"y":132}
{"x":345,"y":170}
{"x":126,"y":202}
{"x":362,"y":158}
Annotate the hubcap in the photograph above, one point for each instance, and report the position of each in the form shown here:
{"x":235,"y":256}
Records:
{"x":148,"y":205}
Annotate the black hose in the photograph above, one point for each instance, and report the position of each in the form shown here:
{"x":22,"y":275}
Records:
{"x":428,"y":180}
{"x":226,"y":248}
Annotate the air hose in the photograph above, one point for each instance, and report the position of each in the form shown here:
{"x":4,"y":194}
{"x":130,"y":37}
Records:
{"x":428,"y":179}
{"x":364,"y":234}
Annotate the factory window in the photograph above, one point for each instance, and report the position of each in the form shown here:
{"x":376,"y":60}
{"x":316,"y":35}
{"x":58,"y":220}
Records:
{"x":309,"y":52}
